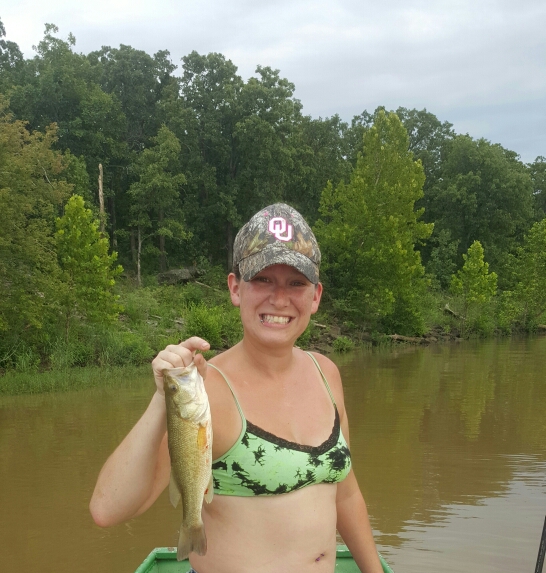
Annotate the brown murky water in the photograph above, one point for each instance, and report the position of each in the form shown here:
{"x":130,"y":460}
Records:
{"x":448,"y":443}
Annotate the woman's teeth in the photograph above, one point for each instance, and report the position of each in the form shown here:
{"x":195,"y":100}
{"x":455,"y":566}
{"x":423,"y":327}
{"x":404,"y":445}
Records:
{"x":278,"y":319}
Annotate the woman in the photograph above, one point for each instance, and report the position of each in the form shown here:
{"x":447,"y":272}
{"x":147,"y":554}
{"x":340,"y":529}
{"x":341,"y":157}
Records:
{"x":281,"y":466}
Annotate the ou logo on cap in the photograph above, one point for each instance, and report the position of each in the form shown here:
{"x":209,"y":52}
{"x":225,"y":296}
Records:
{"x":282,"y":230}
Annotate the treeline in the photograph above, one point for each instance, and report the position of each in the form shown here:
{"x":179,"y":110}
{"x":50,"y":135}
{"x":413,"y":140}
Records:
{"x":411,"y":216}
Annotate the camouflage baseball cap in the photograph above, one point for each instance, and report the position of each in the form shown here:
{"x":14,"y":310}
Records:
{"x":276,"y":235}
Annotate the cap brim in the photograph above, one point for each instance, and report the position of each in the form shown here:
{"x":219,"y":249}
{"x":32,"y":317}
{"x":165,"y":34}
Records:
{"x":272,"y":255}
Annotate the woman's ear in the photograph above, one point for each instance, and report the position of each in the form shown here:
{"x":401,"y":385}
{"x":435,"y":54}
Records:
{"x":233,"y":285}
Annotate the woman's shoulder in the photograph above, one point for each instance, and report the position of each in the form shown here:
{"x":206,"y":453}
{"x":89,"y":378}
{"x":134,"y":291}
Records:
{"x":324,"y":362}
{"x":331,"y":373}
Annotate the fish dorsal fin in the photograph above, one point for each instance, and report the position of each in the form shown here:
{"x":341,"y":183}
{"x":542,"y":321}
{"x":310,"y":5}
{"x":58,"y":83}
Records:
{"x":209,"y":492}
{"x":174,"y":494}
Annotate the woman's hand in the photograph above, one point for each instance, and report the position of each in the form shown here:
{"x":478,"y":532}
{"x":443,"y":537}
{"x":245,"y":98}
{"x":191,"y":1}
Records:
{"x":179,"y":356}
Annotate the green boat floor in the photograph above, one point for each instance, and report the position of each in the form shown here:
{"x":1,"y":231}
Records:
{"x":163,"y":560}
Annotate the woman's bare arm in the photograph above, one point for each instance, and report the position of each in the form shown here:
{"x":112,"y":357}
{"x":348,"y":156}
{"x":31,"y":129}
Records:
{"x":138,"y":471}
{"x":354,"y":527}
{"x":353,"y":522}
{"x":135,"y":474}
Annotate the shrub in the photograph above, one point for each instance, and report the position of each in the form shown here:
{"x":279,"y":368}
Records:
{"x":343,"y":344}
{"x":232,"y":328}
{"x":206,"y":323}
{"x":305,"y":337}
{"x":122,"y":348}
{"x":139,"y":304}
{"x":75,"y":352}
{"x":27,"y":359}
{"x":192,"y":294}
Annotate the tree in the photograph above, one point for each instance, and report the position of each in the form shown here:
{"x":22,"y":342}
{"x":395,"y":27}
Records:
{"x":474,"y":284}
{"x":31,"y":191}
{"x":427,"y":136}
{"x":156,"y":204}
{"x":320,"y":155}
{"x":11,"y":60}
{"x":61,"y":86}
{"x":530,"y":277}
{"x":138,"y":82}
{"x":441,"y":263}
{"x":484,"y":193}
{"x":88,"y":271}
{"x":427,"y":139}
{"x":219,"y":118}
{"x":537,"y":171}
{"x":369,"y":228}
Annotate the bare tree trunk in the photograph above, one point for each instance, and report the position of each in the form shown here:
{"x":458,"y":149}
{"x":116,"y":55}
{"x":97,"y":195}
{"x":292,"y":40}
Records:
{"x":229,"y":246}
{"x":139,"y":251}
{"x":101,"y":201}
{"x":114,"y":223}
{"x":162,"y":258}
{"x":133,"y":247}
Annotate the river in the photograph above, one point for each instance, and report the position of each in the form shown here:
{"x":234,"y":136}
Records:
{"x":448,"y":444}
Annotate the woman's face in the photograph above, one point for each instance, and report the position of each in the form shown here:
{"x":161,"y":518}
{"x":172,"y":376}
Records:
{"x":276,"y":304}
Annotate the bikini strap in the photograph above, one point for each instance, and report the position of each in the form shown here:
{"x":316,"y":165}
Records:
{"x":232,"y":392}
{"x":323,"y":377}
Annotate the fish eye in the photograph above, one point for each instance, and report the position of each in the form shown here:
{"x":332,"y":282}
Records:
{"x":173,"y":387}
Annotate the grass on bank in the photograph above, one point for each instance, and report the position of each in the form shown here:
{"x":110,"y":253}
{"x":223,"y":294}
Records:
{"x":13,"y":382}
{"x":154,"y":316}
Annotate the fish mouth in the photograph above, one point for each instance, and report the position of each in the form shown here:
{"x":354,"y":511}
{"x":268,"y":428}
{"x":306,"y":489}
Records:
{"x":275,"y":319}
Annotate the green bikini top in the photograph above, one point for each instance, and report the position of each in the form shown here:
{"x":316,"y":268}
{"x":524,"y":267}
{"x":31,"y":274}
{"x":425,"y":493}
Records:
{"x":260,"y":463}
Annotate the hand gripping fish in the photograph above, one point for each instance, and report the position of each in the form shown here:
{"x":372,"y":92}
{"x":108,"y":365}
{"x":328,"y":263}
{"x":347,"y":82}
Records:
{"x":189,"y":432}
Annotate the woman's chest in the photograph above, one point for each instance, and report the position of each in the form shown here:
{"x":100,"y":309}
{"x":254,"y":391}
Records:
{"x":304,"y":418}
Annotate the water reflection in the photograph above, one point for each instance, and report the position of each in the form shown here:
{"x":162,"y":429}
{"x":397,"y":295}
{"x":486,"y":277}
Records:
{"x":448,"y":443}
{"x":437,"y":433}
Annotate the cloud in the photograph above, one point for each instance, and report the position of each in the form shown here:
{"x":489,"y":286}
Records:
{"x":479,"y":65}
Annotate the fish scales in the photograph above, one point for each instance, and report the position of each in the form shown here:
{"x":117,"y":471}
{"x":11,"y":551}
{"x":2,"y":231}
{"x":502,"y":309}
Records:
{"x":189,"y":432}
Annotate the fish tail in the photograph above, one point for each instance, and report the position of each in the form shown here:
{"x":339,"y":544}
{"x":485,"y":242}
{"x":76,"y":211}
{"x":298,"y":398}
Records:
{"x":191,"y":539}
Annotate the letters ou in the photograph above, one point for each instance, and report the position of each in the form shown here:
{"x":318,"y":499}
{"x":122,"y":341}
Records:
{"x":282,"y":230}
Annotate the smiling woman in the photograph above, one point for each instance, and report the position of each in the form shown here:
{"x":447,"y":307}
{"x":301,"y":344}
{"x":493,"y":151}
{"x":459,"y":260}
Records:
{"x":282,"y":482}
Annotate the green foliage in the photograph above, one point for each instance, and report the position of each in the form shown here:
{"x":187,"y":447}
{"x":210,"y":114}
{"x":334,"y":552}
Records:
{"x":214,"y":276}
{"x":483,"y":193}
{"x":219,"y":326}
{"x":65,"y":354}
{"x":60,"y":86}
{"x":13,"y":383}
{"x":537,"y":171}
{"x":232,"y":329}
{"x":139,"y":304}
{"x":441,"y":264}
{"x":474,"y":282}
{"x":343,"y":344}
{"x":30,"y":194}
{"x":476,"y":286}
{"x":121,"y":348}
{"x":508,"y":311}
{"x":369,"y":228}
{"x":529,"y":294}
{"x":27,"y":360}
{"x":304,"y":339}
{"x":156,"y":208}
{"x":188,"y":158}
{"x":76,"y":175}
{"x":88,"y":271}
{"x":428,"y":137}
{"x":11,"y":61}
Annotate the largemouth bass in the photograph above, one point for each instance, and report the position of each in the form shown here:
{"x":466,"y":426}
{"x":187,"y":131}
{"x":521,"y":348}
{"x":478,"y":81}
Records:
{"x":189,"y":432}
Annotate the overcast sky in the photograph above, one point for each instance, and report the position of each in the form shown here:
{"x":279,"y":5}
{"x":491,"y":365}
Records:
{"x":479,"y":64}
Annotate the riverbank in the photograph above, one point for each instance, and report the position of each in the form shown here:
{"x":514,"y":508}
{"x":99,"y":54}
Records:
{"x":13,"y":383}
{"x":155,"y":315}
